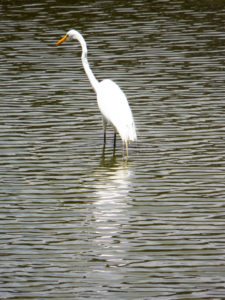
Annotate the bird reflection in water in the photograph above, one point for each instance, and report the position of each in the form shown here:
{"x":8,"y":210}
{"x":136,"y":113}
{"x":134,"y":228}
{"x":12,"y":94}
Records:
{"x":111,"y":209}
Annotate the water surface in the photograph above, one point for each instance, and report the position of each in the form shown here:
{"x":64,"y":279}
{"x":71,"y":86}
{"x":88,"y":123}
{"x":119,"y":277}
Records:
{"x":77,"y":222}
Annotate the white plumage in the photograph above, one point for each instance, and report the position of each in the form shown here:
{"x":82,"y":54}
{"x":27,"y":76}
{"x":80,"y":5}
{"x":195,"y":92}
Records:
{"x":112,"y":102}
{"x":113,"y":105}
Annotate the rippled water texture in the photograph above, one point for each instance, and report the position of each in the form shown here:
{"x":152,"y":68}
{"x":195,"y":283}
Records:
{"x":80,"y":223}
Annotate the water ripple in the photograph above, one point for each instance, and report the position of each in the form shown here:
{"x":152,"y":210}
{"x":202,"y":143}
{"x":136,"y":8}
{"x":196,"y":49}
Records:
{"x":77,"y":221}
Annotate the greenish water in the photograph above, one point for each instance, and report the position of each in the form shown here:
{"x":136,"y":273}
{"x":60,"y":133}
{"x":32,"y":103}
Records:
{"x":80,"y":223}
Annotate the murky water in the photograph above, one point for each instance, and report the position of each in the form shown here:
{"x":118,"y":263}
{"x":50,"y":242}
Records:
{"x":77,"y":223}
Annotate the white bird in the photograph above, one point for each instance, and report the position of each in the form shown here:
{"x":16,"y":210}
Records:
{"x":112,"y":102}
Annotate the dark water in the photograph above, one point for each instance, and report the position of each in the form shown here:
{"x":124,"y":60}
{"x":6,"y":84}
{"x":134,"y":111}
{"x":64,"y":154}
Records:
{"x":77,"y":223}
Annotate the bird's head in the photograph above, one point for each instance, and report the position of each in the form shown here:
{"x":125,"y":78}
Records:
{"x":71,"y":35}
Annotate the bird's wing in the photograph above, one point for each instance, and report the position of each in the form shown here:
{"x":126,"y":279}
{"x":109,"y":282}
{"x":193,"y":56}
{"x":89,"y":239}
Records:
{"x":114,"y":107}
{"x":112,"y":101}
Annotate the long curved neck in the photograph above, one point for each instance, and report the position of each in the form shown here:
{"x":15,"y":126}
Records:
{"x":94,"y":82}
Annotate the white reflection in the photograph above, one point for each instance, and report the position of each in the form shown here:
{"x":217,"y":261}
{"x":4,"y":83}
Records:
{"x":111,"y":208}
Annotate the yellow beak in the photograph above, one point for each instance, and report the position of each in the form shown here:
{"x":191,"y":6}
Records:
{"x":62,"y":40}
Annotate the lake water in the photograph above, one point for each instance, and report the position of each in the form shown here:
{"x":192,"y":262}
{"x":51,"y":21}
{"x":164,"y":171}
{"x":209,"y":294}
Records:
{"x":80,"y":223}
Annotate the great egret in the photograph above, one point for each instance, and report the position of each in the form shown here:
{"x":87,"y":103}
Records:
{"x":112,"y":102}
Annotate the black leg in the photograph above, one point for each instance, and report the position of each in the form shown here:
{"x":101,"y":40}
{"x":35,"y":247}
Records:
{"x":104,"y":129}
{"x":114,"y":141}
{"x":104,"y":137}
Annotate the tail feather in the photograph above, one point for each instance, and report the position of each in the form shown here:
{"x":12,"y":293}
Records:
{"x":128,"y":133}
